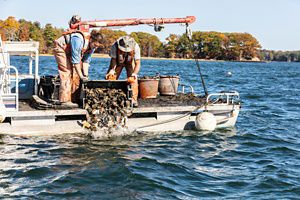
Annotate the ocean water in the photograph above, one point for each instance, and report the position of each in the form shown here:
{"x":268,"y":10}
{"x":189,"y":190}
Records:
{"x":257,"y":159}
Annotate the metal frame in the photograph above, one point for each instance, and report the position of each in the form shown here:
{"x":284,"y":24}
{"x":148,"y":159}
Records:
{"x":227,"y":94}
{"x":26,"y":48}
{"x":6,"y":93}
{"x":6,"y":79}
{"x":183,"y":87}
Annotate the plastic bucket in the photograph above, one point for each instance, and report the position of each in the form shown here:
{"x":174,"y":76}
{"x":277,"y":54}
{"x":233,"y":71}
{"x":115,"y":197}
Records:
{"x":148,"y":88}
{"x":168,"y":85}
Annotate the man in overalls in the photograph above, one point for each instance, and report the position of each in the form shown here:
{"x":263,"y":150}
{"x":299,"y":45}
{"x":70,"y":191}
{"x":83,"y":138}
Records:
{"x":125,"y":52}
{"x":73,"y":51}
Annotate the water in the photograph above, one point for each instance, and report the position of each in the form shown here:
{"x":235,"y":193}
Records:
{"x":258,"y":159}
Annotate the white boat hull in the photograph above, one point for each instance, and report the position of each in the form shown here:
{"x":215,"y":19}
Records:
{"x":227,"y":117}
{"x":174,"y":120}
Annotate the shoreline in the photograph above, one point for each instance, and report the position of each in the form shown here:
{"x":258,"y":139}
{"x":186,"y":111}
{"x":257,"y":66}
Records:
{"x":97,"y":55}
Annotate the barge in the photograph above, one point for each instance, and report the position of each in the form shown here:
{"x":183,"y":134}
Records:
{"x":165,"y":113}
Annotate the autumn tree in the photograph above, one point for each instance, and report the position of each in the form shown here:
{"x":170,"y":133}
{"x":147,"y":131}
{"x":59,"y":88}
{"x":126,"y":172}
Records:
{"x":184,"y":46}
{"x":150,"y":45}
{"x":206,"y":45}
{"x":10,"y":27}
{"x":271,"y":55}
{"x":50,"y":34}
{"x":171,"y":45}
{"x":110,"y":36}
{"x":2,"y":33}
{"x":242,"y":46}
{"x":210,"y":45}
{"x":24,"y":27}
{"x":36,"y":34}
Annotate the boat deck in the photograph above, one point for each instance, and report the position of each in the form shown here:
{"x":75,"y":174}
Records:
{"x":172,"y":101}
{"x":26,"y":110}
{"x":178,"y":103}
{"x":151,"y":115}
{"x":149,"y":111}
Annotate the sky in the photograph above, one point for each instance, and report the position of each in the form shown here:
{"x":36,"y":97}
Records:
{"x":273,"y":22}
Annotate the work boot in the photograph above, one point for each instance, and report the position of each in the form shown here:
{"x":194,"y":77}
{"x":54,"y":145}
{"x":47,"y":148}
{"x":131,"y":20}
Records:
{"x":69,"y":104}
{"x":135,"y":104}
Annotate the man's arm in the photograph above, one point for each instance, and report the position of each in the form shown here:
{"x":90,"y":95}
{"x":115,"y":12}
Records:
{"x":78,"y":70}
{"x":137,"y":66}
{"x":85,"y":69}
{"x":137,"y":59}
{"x":112,"y":65}
{"x":86,"y":59}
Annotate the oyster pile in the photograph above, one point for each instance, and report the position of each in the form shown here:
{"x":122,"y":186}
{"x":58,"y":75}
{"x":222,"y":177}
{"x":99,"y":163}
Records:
{"x":107,"y":108}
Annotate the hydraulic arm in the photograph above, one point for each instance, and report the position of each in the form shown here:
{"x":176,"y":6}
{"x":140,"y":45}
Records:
{"x":86,"y":25}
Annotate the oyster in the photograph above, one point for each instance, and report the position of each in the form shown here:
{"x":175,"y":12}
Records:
{"x":107,"y":108}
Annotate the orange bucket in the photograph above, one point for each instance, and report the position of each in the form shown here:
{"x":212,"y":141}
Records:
{"x":148,"y":88}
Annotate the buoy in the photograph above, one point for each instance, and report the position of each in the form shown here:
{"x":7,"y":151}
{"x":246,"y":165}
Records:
{"x":2,"y":111}
{"x":228,"y":74}
{"x":205,"y":121}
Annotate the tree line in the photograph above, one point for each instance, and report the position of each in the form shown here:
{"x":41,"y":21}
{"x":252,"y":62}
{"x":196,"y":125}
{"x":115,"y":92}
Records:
{"x":282,"y":56}
{"x":203,"y":45}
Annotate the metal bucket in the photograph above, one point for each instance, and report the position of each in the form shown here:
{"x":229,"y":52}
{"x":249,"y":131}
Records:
{"x":148,"y":88}
{"x":168,"y":85}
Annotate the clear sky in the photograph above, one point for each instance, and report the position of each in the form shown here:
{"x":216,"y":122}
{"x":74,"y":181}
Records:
{"x":275,"y":23}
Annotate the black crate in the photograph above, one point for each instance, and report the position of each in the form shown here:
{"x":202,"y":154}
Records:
{"x":117,"y":84}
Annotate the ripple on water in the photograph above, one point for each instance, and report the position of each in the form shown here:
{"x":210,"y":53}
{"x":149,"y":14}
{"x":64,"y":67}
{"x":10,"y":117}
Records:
{"x":259,"y":159}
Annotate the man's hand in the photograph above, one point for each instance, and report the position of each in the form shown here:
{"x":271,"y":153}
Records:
{"x":132,"y":78}
{"x":84,"y":79}
{"x":110,"y":74}
{"x":134,"y":75}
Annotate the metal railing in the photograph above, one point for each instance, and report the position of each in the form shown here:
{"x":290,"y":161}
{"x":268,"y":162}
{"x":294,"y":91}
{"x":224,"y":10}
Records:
{"x":230,"y":97}
{"x":183,"y":88}
{"x":10,"y":98}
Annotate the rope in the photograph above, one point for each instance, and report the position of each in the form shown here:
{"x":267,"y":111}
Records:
{"x":196,"y":60}
{"x":203,"y":84}
{"x":169,"y":120}
{"x":179,"y":117}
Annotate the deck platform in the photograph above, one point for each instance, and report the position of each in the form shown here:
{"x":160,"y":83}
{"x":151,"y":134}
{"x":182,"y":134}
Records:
{"x":57,"y":120}
{"x":178,"y":103}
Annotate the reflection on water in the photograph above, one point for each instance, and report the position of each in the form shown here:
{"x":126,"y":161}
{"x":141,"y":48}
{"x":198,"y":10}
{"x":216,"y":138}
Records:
{"x":259,"y":159}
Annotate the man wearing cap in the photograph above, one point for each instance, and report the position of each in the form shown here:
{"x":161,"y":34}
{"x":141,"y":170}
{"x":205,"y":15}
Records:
{"x":125,"y":52}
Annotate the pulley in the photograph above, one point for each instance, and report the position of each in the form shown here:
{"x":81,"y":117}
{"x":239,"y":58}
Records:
{"x":188,"y":31}
{"x":158,"y":27}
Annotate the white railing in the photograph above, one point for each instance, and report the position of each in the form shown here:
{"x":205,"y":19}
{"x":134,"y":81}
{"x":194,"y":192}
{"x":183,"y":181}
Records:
{"x":31,"y":49}
{"x":230,"y":97}
{"x":9,"y":98}
{"x":188,"y":86}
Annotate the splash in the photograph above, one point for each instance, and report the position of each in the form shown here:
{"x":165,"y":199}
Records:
{"x":110,"y":132}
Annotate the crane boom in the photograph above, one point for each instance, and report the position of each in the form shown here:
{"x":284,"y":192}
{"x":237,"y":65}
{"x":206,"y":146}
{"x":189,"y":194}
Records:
{"x":86,"y":25}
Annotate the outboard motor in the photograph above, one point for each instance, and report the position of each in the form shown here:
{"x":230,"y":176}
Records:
{"x":49,"y":88}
